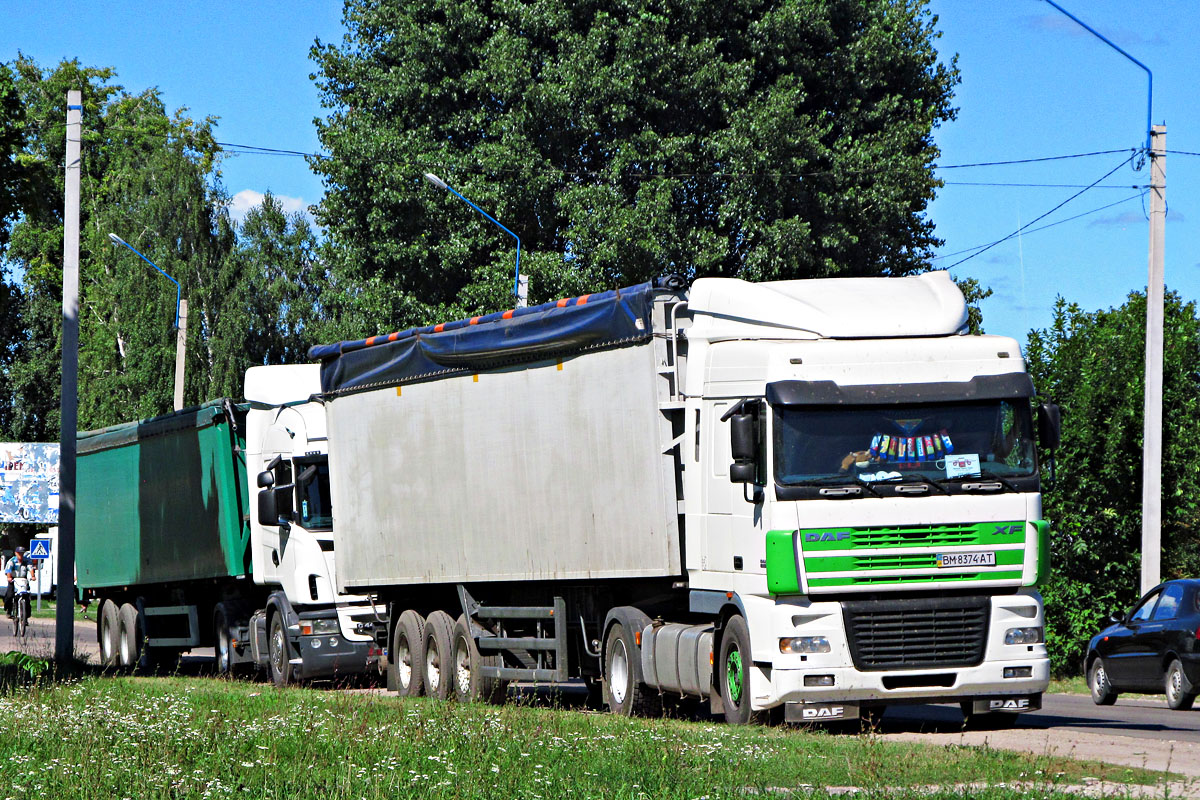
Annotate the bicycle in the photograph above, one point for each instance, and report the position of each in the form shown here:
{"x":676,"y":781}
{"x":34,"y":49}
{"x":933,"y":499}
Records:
{"x":20,"y":607}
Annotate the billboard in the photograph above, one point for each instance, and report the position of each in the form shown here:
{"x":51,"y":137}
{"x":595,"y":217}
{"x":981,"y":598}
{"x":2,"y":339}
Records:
{"x":29,"y":483}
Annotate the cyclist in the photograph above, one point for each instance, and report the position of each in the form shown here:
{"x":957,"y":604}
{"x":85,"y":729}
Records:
{"x":19,"y":566}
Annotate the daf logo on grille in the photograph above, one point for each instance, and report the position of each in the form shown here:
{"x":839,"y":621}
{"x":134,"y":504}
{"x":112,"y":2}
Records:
{"x":826,"y":536}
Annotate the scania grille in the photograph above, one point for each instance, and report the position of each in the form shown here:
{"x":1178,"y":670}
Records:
{"x":917,"y":633}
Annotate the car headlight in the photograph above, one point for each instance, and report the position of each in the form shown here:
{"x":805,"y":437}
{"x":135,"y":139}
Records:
{"x":804,"y":644}
{"x":310,"y":627}
{"x":1023,"y":636}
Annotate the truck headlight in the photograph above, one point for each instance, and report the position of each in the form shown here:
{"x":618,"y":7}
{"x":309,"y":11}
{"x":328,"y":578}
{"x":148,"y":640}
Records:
{"x":309,"y":627}
{"x":804,"y":644}
{"x":1023,"y":636}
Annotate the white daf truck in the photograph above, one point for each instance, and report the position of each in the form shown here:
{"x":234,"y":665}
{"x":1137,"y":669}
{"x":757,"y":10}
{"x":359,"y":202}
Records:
{"x":800,"y":499}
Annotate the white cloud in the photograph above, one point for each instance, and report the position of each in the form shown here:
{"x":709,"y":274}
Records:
{"x":241,"y":203}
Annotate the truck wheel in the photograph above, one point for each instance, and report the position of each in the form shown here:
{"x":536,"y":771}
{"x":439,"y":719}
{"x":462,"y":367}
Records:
{"x":129,"y":637}
{"x":623,"y":692}
{"x":1102,"y":691}
{"x":407,"y":655}
{"x":469,"y":685}
{"x":108,"y":632}
{"x":279,"y":653}
{"x":438,"y":659}
{"x":1180,"y":694}
{"x":224,"y":641}
{"x":735,"y":671}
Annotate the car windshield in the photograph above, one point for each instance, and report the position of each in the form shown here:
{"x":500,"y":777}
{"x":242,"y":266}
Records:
{"x":940,"y":442}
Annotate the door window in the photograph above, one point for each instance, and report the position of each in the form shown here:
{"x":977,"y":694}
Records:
{"x":1168,"y":606}
{"x":1144,"y":609}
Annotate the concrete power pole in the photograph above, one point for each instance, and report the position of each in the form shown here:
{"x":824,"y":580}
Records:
{"x":180,"y":353}
{"x":64,"y":616}
{"x":1152,"y":415}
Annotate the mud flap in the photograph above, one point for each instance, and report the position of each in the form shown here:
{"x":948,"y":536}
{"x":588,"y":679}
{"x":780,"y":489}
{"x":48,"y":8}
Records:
{"x":820,"y":712}
{"x":1013,"y":704}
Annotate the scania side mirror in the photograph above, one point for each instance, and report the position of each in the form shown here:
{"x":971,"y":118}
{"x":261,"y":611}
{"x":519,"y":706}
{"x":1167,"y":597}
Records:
{"x":268,"y":514}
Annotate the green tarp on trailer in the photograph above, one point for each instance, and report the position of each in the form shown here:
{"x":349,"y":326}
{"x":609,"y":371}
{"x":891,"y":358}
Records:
{"x":164,"y":499}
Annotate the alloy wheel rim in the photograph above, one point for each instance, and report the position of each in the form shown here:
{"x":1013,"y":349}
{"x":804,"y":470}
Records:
{"x":733,"y":675}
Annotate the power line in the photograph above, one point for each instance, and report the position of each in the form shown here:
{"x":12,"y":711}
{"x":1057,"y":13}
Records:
{"x":1181,"y":153}
{"x":1045,"y":185}
{"x":1050,"y":225}
{"x":1022,"y":228}
{"x":1037,"y":160}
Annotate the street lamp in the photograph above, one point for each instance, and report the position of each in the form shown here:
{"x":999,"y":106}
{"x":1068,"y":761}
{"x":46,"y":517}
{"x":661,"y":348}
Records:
{"x":520,"y":285}
{"x":180,"y":321}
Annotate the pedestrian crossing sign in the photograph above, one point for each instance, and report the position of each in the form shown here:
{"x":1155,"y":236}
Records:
{"x":39,"y":548}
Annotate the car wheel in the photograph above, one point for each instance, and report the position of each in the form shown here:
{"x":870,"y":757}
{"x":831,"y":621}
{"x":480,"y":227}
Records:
{"x":1102,"y":691}
{"x":1180,"y":695}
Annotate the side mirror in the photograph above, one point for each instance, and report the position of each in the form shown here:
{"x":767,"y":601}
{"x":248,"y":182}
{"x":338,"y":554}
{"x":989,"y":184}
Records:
{"x":1049,"y":426}
{"x":265,"y":479}
{"x":268,"y":514}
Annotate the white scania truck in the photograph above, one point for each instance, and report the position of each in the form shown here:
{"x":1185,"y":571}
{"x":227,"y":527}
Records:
{"x":805,"y":499}
{"x":168,"y":545}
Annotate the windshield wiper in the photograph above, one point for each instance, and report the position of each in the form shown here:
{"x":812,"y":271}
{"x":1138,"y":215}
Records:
{"x":847,"y":481}
{"x":984,"y":475}
{"x":914,"y":477}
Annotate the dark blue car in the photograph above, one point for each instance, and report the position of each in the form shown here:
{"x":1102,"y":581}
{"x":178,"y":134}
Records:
{"x":1153,"y":648}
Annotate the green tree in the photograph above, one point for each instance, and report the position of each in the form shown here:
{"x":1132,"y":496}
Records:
{"x":1092,"y":364}
{"x":620,"y":141}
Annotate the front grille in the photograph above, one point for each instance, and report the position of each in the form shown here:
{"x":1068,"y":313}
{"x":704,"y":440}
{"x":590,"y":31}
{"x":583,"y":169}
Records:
{"x":917,"y":633}
{"x":923,"y":535}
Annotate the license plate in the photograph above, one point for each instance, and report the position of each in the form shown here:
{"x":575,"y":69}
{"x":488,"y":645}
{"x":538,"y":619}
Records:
{"x":977,"y":559}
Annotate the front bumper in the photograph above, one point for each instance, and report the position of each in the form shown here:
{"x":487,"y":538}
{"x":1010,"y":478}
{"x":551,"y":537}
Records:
{"x":332,"y":655}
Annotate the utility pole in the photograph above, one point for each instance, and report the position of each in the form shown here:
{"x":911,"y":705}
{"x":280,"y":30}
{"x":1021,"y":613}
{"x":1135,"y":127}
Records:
{"x":1152,"y":414}
{"x":180,"y":353}
{"x":64,"y":615}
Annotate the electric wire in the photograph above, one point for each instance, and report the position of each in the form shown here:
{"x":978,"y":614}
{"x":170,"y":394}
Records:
{"x":1046,"y":185}
{"x":1037,"y":160}
{"x":1104,"y":207}
{"x":1040,"y":217}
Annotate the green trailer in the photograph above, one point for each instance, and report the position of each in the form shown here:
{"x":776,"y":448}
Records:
{"x":162,"y":530}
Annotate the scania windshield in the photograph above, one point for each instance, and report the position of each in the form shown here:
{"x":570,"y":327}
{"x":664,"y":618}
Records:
{"x":982,"y":445}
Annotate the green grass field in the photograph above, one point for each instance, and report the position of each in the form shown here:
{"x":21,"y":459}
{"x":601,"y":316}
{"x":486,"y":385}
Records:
{"x":176,"y":737}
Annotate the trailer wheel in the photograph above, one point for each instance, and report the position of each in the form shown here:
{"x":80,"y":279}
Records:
{"x":129,"y":636}
{"x":279,"y":654}
{"x":470,"y":685}
{"x":735,"y":673}
{"x":623,"y":692}
{"x":438,"y":660}
{"x":224,"y":641}
{"x":108,"y":632}
{"x":406,"y":658}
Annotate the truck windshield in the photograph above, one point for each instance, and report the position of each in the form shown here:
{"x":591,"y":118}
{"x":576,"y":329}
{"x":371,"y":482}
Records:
{"x":312,"y":488}
{"x":943,"y":442}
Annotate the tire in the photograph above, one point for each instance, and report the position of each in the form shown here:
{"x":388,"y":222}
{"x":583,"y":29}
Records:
{"x":624,"y":694}
{"x":279,"y":652}
{"x":1102,"y":691}
{"x":406,"y":658}
{"x":108,"y":633}
{"x":438,"y":649}
{"x":223,"y":636}
{"x":735,"y":675}
{"x":469,"y":685}
{"x":1180,"y":694}
{"x":129,"y":638}
{"x":22,"y":615}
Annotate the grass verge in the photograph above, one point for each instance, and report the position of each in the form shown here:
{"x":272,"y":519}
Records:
{"x":178,"y":737}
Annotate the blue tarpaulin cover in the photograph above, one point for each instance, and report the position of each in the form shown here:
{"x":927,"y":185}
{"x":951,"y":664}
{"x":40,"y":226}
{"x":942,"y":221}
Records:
{"x":608,"y":319}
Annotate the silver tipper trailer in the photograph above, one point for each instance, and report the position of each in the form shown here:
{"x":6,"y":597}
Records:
{"x":685,"y":490}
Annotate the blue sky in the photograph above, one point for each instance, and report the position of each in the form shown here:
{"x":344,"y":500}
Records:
{"x":1033,"y":85}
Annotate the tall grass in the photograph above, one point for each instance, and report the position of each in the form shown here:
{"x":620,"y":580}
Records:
{"x":177,"y":737}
